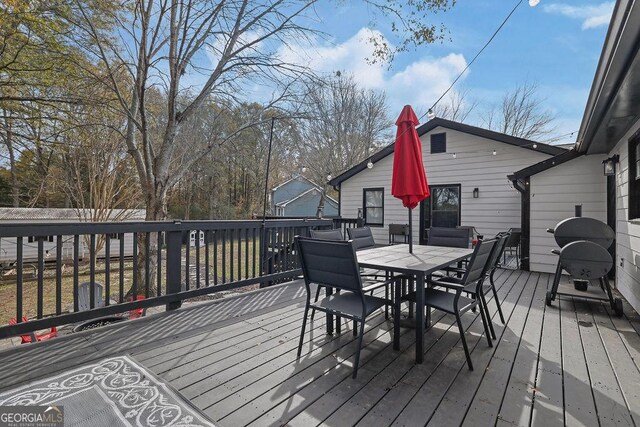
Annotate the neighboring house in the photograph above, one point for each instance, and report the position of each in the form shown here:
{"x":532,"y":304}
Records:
{"x":458,"y":159}
{"x":610,"y":131}
{"x":8,"y":245}
{"x":300,"y":197}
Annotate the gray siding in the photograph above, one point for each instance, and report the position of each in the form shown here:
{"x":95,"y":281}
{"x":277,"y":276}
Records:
{"x":497,"y":208}
{"x":554,"y":194}
{"x":288,"y":191}
{"x":307,"y":206}
{"x":627,"y":232}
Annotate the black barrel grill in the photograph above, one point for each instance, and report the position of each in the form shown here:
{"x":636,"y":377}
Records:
{"x":583,"y":253}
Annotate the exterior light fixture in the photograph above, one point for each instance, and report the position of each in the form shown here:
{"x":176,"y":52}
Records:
{"x":495,"y":152}
{"x":430,"y":114}
{"x":610,"y":165}
{"x":535,"y":145}
{"x":476,"y":193}
{"x":455,"y":155}
{"x":329,"y":177}
{"x":304,"y":169}
{"x":370,"y":164}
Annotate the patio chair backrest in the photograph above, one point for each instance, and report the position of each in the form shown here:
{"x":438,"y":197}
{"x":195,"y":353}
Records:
{"x":586,"y":260}
{"x":514,"y":238}
{"x":479,"y":262}
{"x":329,"y":263}
{"x":451,"y":237}
{"x":362,"y":237}
{"x":499,"y":250}
{"x":84,"y":297}
{"x":326,"y":234}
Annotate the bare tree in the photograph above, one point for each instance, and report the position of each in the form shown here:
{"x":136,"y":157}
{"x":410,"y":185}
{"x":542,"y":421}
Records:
{"x":521,"y":113}
{"x":98,"y":177}
{"x":457,"y":106}
{"x":345,"y":124}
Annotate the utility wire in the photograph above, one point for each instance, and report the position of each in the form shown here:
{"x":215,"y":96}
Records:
{"x":495,"y":33}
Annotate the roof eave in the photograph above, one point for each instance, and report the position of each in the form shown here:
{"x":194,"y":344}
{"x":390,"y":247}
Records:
{"x":457,"y":126}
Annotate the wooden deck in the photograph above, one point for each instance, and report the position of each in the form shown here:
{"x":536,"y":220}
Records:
{"x":573,"y":363}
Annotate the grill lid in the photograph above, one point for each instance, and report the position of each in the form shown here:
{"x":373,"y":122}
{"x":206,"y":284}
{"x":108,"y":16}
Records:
{"x":582,"y":228}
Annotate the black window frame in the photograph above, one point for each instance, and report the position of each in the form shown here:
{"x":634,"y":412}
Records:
{"x":364,"y":207}
{"x":439,"y":141}
{"x":634,"y":177}
{"x":426,"y":204}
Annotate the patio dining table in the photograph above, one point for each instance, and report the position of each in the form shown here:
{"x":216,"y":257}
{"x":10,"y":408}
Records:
{"x":424,"y":261}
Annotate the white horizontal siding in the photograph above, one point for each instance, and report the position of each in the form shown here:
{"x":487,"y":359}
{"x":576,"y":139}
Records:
{"x":497,"y":208}
{"x":554,"y":194}
{"x":9,"y":249}
{"x":627,"y":232}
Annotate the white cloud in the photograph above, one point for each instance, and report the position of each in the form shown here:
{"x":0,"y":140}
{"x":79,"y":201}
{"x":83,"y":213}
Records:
{"x":419,"y":83}
{"x":591,"y":16}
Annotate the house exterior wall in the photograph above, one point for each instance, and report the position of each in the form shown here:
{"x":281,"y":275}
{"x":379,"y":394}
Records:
{"x":288,"y":191}
{"x":554,"y":194}
{"x":627,"y":232}
{"x":498,"y":205}
{"x":307,"y":206}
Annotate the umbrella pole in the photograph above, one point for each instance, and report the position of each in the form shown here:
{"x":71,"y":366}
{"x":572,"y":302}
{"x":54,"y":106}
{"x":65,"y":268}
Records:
{"x":410,"y":233}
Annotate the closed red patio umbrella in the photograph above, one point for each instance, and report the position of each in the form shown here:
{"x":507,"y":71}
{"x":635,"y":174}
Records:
{"x":409,"y":182}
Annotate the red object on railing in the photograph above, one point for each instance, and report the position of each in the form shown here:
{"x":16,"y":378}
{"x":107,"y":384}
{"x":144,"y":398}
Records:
{"x":474,"y":242}
{"x":27,"y":338}
{"x":136,"y":312}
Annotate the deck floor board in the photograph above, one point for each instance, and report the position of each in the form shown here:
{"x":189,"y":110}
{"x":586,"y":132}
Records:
{"x":572,"y":363}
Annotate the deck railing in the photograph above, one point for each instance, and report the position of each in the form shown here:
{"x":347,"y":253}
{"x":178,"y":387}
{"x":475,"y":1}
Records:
{"x":165,"y":262}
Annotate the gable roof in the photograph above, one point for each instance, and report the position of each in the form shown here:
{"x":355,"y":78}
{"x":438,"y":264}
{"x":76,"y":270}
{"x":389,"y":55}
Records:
{"x":295,"y":178}
{"x":457,"y":126}
{"x":545,"y":165}
{"x":311,"y":190}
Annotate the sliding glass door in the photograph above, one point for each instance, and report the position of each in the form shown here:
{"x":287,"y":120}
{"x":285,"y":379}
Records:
{"x":441,"y":209}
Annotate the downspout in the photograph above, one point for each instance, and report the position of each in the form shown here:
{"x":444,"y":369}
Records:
{"x":522,"y":185}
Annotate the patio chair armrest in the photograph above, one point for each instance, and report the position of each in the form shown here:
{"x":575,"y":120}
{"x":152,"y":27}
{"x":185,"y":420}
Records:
{"x":377,"y":285}
{"x":455,"y":270}
{"x":450,"y":285}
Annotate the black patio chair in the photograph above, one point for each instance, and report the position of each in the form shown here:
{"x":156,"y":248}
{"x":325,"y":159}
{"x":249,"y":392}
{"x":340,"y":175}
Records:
{"x":493,"y":267}
{"x":453,"y":302}
{"x":335,"y":235}
{"x":451,"y":237}
{"x":513,"y":244}
{"x":334,"y":264}
{"x":487,"y":285}
{"x":362,"y":237}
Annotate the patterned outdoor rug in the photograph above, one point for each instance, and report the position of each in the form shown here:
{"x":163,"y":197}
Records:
{"x":113,"y":392}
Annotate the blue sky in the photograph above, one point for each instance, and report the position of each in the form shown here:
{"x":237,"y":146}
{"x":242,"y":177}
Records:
{"x":555,"y":44}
